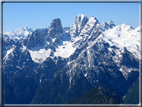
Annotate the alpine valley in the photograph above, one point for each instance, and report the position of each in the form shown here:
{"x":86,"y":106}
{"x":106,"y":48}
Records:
{"x":62,"y":65}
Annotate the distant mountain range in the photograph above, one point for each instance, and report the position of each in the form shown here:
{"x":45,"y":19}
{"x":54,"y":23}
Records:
{"x":18,"y":34}
{"x":58,"y":64}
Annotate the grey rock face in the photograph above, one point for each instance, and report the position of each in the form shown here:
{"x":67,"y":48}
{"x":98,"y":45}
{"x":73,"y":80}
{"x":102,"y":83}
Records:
{"x":36,"y":39}
{"x":7,"y":44}
{"x":17,"y":62}
{"x":19,"y":34}
{"x":55,"y":28}
{"x":107,"y":25}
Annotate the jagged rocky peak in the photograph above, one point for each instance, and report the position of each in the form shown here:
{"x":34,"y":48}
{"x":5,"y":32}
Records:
{"x":27,"y":28}
{"x":18,"y":34}
{"x":107,"y":25}
{"x":93,"y":20}
{"x":55,"y":27}
{"x":88,"y":33}
{"x":81,"y":19}
{"x":92,"y":24}
{"x":36,"y":39}
{"x":78,"y":25}
{"x":56,"y":23}
{"x":111,"y":23}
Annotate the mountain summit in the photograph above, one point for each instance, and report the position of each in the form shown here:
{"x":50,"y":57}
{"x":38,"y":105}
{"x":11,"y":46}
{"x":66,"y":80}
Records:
{"x":55,"y":28}
{"x":78,"y":25}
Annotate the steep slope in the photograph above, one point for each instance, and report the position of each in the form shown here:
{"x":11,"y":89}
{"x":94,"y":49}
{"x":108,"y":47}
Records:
{"x":16,"y":61}
{"x":106,"y":63}
{"x":7,"y":45}
{"x":99,"y":67}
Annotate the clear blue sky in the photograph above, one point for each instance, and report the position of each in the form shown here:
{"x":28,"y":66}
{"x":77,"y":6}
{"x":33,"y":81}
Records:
{"x":40,"y":15}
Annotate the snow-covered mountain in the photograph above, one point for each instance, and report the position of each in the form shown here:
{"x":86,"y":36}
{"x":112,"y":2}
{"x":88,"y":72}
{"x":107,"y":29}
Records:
{"x":18,"y":34}
{"x":63,"y":44}
{"x":125,"y":36}
{"x":102,"y":55}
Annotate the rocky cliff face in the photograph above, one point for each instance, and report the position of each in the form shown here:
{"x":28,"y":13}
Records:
{"x":36,"y":39}
{"x":55,"y":28}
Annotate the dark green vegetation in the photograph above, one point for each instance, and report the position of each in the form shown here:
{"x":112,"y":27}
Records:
{"x":132,"y":96}
{"x":98,"y":95}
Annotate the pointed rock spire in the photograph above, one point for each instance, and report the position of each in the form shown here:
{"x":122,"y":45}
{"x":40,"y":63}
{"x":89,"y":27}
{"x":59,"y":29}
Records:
{"x":55,"y":27}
